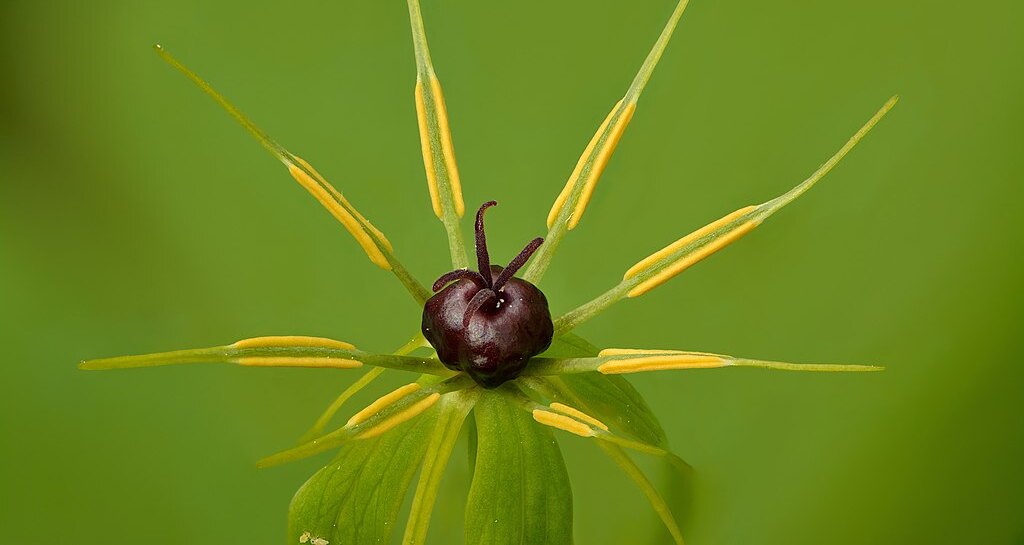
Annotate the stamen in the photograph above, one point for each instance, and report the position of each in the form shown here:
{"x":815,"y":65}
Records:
{"x":381,"y":403}
{"x":668,"y":360}
{"x":452,"y":276}
{"x":481,"y":298}
{"x":517,"y":263}
{"x":689,"y":240}
{"x":483,"y":260}
{"x":414,"y":410}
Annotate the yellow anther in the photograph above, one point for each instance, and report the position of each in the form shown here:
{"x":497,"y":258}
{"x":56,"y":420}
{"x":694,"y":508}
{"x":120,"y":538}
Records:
{"x":562,"y":422}
{"x":447,"y":149}
{"x":287,"y":341}
{"x":597,"y":154}
{"x":425,"y":148}
{"x":578,"y":414}
{"x":382,"y":402}
{"x":661,"y":363}
{"x":333,"y":201}
{"x":600,"y":162}
{"x":279,"y":361}
{"x":638,"y":351}
{"x":411,"y":412}
{"x":444,"y":140}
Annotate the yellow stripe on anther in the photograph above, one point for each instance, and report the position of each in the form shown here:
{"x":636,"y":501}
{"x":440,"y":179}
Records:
{"x":332,"y":204}
{"x":637,"y":351}
{"x":404,"y":416}
{"x":597,"y":166}
{"x":661,"y":363}
{"x":660,"y":255}
{"x":343,"y":201}
{"x":634,"y":351}
{"x":578,"y":414}
{"x":562,"y":422}
{"x":428,"y":156}
{"x":284,"y":361}
{"x":447,"y":148}
{"x":382,"y":402}
{"x":600,"y":162}
{"x":283,"y":341}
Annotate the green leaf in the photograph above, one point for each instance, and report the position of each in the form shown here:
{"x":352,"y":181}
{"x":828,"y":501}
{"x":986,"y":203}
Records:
{"x":356,"y":498}
{"x":520,"y":492}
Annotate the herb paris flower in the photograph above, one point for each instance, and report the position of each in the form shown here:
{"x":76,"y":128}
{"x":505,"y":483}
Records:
{"x":497,"y":354}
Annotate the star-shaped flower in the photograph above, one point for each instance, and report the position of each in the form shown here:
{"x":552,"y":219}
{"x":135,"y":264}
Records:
{"x":488,"y":347}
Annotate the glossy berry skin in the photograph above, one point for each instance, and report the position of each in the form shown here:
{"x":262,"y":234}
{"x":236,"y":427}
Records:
{"x":488,"y":323}
{"x":499,"y":338}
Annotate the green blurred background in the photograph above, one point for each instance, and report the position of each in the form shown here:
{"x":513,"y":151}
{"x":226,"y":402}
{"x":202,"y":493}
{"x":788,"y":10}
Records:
{"x":135,"y":217}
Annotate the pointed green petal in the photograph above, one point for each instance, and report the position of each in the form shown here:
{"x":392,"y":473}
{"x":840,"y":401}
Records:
{"x":276,"y":351}
{"x":357,"y":497}
{"x":520,"y":492}
{"x":436,"y":142}
{"x":452,"y":411}
{"x":565,"y":214}
{"x":373,"y":242}
{"x":687,"y":251}
{"x":658,"y":503}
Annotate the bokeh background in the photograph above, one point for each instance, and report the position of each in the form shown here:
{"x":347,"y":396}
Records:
{"x":135,"y":217}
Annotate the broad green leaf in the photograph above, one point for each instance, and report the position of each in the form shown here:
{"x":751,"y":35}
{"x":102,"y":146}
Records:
{"x":371,"y":239}
{"x":436,"y":142}
{"x":356,"y":498}
{"x":276,"y":351}
{"x":565,"y":214}
{"x":664,"y":264}
{"x":520,"y":493}
{"x":452,"y":411}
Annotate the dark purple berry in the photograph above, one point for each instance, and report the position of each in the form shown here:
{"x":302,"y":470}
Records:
{"x":487,"y":322}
